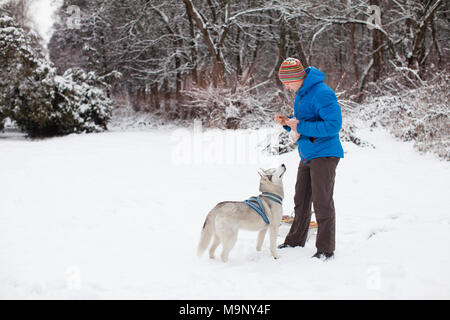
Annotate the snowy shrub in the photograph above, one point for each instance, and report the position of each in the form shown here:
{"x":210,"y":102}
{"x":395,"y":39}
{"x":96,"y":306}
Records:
{"x":90,"y":107}
{"x":420,"y":114}
{"x":231,"y":108}
{"x":2,"y":119}
{"x":37,"y":99}
{"x":351,"y":112}
{"x":282,"y":145}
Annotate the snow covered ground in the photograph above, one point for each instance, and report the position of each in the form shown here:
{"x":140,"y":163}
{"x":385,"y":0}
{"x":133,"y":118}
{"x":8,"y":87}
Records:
{"x":119,"y":214}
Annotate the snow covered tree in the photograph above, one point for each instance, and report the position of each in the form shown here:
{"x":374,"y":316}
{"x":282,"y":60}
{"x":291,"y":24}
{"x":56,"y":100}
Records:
{"x":37,"y":99}
{"x":19,"y":10}
{"x":170,"y":52}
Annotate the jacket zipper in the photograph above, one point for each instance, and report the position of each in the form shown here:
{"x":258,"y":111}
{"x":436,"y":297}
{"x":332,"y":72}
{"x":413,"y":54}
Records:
{"x":296,"y":107}
{"x":301,"y":155}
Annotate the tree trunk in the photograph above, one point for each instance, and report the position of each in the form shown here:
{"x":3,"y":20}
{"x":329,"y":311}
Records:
{"x":377,"y":53}
{"x":281,"y":52}
{"x":218,"y":64}
{"x":193,"y":51}
{"x":353,"y":46}
{"x":155,"y":96}
{"x":419,"y":39}
{"x":298,"y":46}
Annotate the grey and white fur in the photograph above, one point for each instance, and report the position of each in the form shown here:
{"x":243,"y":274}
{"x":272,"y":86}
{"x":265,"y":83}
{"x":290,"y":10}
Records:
{"x":226,"y":218}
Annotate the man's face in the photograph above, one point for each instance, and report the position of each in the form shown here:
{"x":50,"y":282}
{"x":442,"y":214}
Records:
{"x":294,"y":86}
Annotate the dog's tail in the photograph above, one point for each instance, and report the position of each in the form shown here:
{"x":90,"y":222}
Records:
{"x":207,"y":234}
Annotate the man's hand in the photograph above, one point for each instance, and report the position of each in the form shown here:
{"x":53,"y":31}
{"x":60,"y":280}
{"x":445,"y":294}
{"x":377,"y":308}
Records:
{"x":281,"y":119}
{"x":292,"y":123}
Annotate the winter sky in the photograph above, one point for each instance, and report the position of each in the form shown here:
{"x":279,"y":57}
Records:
{"x":42,"y":11}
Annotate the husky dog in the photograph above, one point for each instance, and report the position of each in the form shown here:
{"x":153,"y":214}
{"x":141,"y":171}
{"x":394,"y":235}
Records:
{"x":226,"y":218}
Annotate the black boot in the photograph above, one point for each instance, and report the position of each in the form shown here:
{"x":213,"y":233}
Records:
{"x":323,"y":255}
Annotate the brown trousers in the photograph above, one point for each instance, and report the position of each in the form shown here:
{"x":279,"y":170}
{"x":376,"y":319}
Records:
{"x":315,"y":184}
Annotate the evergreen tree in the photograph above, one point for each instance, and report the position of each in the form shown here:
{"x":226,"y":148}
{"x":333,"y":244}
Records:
{"x":37,"y":99}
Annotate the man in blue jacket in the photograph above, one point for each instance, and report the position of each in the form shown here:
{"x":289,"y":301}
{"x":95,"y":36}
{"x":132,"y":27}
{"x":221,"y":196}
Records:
{"x":316,"y":123}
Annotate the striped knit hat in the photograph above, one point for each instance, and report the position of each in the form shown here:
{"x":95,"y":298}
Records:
{"x":291,"y":70}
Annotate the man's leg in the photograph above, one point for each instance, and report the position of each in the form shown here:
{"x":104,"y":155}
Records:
{"x":302,"y":200}
{"x":323,"y":172}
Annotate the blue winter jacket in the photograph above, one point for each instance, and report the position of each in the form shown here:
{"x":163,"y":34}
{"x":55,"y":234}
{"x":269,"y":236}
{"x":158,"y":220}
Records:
{"x":320,"y":118}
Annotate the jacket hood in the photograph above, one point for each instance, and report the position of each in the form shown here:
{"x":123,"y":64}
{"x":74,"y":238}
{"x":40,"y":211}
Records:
{"x":313,"y":77}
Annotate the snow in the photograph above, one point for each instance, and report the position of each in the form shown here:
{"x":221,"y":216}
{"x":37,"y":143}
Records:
{"x":114,"y":215}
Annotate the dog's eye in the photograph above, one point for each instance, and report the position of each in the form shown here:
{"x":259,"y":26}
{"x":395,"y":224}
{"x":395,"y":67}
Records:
{"x":269,"y":177}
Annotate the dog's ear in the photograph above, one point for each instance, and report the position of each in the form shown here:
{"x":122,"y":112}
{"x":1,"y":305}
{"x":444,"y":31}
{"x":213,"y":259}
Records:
{"x":265,"y":176}
{"x":261,"y":173}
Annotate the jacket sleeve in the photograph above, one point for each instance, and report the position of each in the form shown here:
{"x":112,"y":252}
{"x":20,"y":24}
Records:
{"x":330,"y":122}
